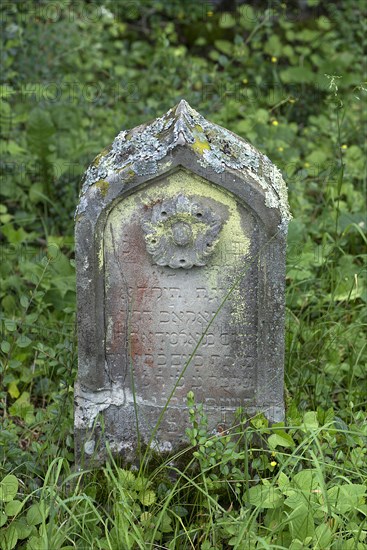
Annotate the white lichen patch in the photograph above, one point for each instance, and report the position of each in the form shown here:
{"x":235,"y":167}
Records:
{"x":141,"y":149}
{"x":161,"y":446}
{"x":101,"y":256}
{"x":89,"y":447}
{"x":89,"y":404}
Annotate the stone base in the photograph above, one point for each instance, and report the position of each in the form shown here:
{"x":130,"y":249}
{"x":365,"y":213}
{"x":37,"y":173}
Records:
{"x":108,"y":419}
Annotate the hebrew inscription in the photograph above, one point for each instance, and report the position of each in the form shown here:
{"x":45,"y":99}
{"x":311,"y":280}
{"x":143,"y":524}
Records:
{"x":164,"y":311}
{"x":181,"y":233}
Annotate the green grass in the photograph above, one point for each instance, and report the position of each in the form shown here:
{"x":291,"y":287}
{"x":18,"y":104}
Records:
{"x":72,"y":80}
{"x":295,"y":486}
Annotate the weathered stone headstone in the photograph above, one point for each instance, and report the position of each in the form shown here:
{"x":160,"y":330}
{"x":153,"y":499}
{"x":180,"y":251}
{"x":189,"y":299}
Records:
{"x":180,"y":250}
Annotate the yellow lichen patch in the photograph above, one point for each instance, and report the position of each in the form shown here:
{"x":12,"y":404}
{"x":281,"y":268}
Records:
{"x":201,"y":143}
{"x":103,"y":186}
{"x":100,"y":156}
{"x":127,"y":173}
{"x":183,"y":181}
{"x":200,"y":146}
{"x":197,"y":227}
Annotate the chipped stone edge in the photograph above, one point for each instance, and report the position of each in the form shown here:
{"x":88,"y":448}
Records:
{"x":91,"y":403}
{"x":137,"y":152}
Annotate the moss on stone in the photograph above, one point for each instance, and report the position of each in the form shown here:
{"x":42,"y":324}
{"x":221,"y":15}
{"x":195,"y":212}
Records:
{"x":101,"y":155}
{"x":103,"y":186}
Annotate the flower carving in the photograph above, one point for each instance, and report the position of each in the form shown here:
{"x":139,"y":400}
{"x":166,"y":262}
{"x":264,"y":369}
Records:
{"x":180,"y":232}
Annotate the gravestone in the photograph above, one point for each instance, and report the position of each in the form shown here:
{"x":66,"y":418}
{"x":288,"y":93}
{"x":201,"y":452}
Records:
{"x":180,"y":253}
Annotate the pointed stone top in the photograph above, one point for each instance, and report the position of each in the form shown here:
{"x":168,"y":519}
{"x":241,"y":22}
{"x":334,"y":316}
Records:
{"x":138,"y":152}
{"x":182,"y":106}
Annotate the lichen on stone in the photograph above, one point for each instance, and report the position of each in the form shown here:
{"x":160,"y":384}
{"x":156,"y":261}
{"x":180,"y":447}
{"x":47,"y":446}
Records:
{"x":217,"y":148}
{"x":103,"y":186}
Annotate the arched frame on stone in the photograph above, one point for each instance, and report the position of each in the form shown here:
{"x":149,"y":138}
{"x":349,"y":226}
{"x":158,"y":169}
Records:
{"x":90,"y":227}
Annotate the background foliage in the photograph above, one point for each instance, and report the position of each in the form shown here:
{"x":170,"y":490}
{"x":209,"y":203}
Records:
{"x":287,"y":77}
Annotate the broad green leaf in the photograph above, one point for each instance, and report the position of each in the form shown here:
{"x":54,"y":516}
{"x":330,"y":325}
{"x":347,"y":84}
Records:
{"x":23,"y":408}
{"x":23,"y":341}
{"x":23,"y":529}
{"x":297,"y":498}
{"x":295,"y":75}
{"x":24,"y":302}
{"x":260,"y":422}
{"x":224,"y":46}
{"x":165,"y":524}
{"x":14,"y":149}
{"x":248,"y":16}
{"x":181,"y":511}
{"x":8,"y":488}
{"x":323,"y":535}
{"x":301,"y":523}
{"x":8,"y":304}
{"x":9,"y":537}
{"x":5,"y":346}
{"x":262,"y":116}
{"x":307,"y":35}
{"x":226,"y":21}
{"x":324,"y":23}
{"x":14,"y":364}
{"x":349,"y":544}
{"x":273,"y":46}
{"x":146,"y":517}
{"x":282,"y":439}
{"x":345,"y":498}
{"x":317,"y":159}
{"x":34,"y":514}
{"x":10,"y":325}
{"x":126,"y":477}
{"x":299,"y":274}
{"x":14,"y":236}
{"x":265,"y":497}
{"x":37,"y":543}
{"x":13,"y":390}
{"x":310,"y":421}
{"x":306,"y":480}
{"x":3,"y":518}
{"x":147,"y":498}
{"x":283,"y":481}
{"x":36,"y":192}
{"x":13,"y":507}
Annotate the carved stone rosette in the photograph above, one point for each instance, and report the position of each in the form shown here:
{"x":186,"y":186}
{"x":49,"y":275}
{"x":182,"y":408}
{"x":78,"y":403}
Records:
{"x":181,"y":233}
